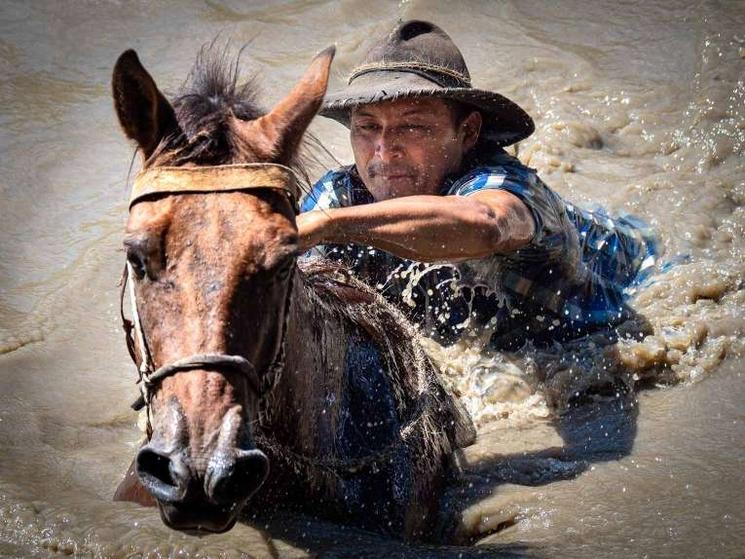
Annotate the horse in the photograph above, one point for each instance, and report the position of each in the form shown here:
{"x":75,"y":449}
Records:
{"x":268,"y":380}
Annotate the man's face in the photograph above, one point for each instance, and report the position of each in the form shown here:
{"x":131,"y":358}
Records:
{"x":408,"y":146}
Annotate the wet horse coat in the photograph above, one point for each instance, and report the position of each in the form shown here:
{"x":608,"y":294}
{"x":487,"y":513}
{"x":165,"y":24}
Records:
{"x":349,"y":415}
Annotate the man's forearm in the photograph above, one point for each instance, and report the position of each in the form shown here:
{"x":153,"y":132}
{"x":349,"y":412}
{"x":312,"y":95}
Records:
{"x":423,"y":228}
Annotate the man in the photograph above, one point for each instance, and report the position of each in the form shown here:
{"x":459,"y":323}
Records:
{"x":431,"y":183}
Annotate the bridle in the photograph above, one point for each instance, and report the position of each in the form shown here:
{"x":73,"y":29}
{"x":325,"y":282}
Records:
{"x":189,"y":180}
{"x":235,"y":178}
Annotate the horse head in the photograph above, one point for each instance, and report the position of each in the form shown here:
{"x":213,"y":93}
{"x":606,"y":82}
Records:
{"x":211,"y":274}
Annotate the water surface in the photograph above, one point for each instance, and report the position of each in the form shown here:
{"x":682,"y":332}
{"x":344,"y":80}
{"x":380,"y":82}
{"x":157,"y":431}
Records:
{"x":639,"y":106}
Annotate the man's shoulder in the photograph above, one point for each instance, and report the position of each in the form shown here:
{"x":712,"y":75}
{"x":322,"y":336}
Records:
{"x":494,"y":171}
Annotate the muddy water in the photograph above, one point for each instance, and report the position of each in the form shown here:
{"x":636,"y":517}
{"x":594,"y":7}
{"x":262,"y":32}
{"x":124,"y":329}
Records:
{"x":593,"y":450}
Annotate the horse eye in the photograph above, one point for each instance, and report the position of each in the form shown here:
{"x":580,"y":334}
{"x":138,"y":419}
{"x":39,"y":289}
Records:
{"x":137,"y":262}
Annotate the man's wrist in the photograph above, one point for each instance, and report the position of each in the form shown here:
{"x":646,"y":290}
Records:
{"x":314,"y":228}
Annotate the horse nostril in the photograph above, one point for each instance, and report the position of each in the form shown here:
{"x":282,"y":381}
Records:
{"x":230,"y":482}
{"x":159,"y":475}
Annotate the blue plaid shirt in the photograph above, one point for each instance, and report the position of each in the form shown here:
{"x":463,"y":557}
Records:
{"x":572,"y":278}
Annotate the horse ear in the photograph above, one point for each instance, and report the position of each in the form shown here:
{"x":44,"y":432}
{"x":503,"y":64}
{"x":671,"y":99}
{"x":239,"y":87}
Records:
{"x":144,"y":113}
{"x":277,"y":135}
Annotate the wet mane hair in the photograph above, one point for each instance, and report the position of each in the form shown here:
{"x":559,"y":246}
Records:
{"x":204,"y":105}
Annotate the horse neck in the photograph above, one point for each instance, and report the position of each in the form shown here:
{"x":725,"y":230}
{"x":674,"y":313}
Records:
{"x":304,"y":404}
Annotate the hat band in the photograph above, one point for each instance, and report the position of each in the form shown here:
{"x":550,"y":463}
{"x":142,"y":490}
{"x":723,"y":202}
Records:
{"x":442,"y":76}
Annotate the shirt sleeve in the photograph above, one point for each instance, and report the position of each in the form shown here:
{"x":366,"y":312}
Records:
{"x":520,"y":181}
{"x":330,"y":191}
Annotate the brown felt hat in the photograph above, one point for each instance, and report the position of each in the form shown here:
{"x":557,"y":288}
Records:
{"x":418,"y":58}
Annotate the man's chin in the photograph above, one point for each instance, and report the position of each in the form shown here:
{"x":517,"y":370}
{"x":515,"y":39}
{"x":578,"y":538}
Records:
{"x":396,"y":186}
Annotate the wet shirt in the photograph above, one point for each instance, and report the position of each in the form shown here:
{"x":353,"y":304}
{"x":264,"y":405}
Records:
{"x":573,"y":277}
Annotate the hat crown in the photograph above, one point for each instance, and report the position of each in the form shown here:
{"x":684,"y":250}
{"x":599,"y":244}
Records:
{"x":419,"y":59}
{"x":420,"y":47}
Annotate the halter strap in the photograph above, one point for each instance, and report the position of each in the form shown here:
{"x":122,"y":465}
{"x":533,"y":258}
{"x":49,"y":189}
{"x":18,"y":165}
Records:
{"x":220,"y":178}
{"x":219,"y":361}
{"x":149,"y":379}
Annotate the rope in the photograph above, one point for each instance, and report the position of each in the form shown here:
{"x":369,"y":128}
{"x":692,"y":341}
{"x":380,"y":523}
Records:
{"x":219,"y":178}
{"x":198,"y":361}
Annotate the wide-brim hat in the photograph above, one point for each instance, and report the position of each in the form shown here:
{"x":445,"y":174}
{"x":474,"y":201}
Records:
{"x":419,"y":59}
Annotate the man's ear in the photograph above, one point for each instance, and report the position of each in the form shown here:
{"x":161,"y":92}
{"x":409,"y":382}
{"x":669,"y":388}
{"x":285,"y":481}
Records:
{"x":471,"y":127}
{"x":276,"y":136}
{"x":144,"y":113}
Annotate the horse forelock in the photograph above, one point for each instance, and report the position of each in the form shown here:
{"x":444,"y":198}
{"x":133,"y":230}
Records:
{"x":211,"y":95}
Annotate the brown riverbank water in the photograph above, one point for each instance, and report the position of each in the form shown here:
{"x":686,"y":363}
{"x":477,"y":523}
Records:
{"x":639,"y":107}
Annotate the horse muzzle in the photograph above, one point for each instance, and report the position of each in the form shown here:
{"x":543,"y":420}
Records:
{"x":192,"y":502}
{"x":206,"y":493}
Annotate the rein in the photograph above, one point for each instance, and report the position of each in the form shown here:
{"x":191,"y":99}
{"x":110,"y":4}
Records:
{"x":188,"y":180}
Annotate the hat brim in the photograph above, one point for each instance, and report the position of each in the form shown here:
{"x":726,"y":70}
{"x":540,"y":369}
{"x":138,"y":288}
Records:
{"x":504,"y":121}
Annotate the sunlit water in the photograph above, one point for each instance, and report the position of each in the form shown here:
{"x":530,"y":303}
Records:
{"x":591,"y":449}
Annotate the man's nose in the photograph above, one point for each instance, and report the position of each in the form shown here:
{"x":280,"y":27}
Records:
{"x":388,"y":145}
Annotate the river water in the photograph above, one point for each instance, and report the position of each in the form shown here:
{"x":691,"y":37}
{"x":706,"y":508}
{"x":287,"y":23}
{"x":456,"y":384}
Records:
{"x":632,"y":449}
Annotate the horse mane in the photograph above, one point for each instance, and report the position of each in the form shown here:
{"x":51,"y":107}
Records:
{"x":332,"y":285}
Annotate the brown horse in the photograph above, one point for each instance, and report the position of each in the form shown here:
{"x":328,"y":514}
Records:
{"x":264,"y":380}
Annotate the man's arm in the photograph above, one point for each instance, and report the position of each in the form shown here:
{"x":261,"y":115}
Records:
{"x":426,"y":228}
